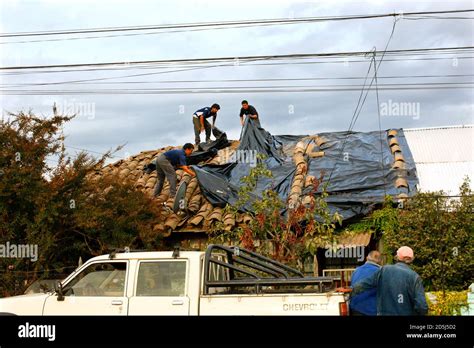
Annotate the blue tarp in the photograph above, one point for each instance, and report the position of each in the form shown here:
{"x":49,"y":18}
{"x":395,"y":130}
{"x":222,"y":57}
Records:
{"x":352,"y":160}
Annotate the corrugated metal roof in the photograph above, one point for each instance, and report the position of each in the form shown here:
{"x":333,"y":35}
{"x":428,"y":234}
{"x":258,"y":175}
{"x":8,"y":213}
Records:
{"x":443,"y":156}
{"x":360,"y":239}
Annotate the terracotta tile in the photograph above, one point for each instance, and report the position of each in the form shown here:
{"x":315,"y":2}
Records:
{"x":393,"y":141}
{"x":399,"y":157}
{"x":392,"y":133}
{"x":395,"y":148}
{"x":316,"y":154}
{"x":398,"y":165}
{"x":401,"y":182}
{"x":320,"y":141}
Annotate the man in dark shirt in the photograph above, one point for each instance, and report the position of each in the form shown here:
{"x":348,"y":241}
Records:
{"x":166,"y":165}
{"x":249,"y":111}
{"x":200,"y":122}
{"x":399,"y":289}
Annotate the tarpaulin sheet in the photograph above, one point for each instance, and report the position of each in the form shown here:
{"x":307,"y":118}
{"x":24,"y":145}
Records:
{"x":359,"y":165}
{"x":220,"y":183}
{"x":209,"y":150}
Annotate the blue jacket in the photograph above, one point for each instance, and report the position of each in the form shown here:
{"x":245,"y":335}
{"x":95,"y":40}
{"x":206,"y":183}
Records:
{"x":365,"y":302}
{"x":205,"y":112}
{"x":399,"y":290}
{"x":176,"y":157}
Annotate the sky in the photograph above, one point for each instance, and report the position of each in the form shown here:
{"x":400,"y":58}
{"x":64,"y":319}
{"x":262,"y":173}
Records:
{"x":150,"y":121}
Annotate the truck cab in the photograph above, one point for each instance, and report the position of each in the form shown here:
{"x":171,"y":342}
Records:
{"x":220,"y":281}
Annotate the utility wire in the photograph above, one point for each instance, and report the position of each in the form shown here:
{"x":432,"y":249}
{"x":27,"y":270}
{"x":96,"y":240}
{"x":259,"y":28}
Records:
{"x":359,"y":104}
{"x":235,"y":60}
{"x":240,"y":80}
{"x":217,"y":91}
{"x":244,"y":64}
{"x":228,"y":23}
{"x":285,"y":86}
{"x":382,"y":157}
{"x":160,"y":32}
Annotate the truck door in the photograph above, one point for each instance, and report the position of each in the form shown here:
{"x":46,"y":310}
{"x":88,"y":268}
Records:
{"x":160,"y":288}
{"x":99,"y":289}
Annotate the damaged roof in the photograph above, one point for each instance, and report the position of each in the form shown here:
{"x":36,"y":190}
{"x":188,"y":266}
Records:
{"x":359,"y":168}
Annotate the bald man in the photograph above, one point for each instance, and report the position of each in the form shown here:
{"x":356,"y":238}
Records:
{"x":399,"y":289}
{"x":366,"y":302}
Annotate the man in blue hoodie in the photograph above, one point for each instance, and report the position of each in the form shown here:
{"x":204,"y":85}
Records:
{"x":166,"y":165}
{"x":399,"y":289}
{"x":366,"y":302}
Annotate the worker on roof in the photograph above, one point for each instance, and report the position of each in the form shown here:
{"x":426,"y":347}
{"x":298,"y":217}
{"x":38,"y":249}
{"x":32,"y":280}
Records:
{"x":166,"y":165}
{"x":201,"y":124}
{"x":249,"y":111}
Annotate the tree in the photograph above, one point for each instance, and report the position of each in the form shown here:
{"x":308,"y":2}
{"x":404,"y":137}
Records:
{"x":438,"y":228}
{"x":67,"y":210}
{"x":287,"y":238}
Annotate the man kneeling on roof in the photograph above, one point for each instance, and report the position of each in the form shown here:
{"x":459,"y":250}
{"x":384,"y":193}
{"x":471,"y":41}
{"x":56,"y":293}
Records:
{"x":166,"y":165}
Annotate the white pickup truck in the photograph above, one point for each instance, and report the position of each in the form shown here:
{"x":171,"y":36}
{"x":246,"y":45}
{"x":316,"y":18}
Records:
{"x":220,"y":281}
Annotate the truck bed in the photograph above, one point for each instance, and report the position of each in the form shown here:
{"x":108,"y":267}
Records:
{"x":271,"y":304}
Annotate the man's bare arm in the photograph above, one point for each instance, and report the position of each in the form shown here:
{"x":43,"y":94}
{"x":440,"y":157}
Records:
{"x":188,"y":170}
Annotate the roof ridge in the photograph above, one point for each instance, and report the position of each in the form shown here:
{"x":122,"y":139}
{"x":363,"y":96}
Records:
{"x":439,"y":127}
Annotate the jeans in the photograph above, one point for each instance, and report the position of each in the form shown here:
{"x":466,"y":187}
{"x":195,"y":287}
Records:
{"x":197,"y":129}
{"x":165,"y":169}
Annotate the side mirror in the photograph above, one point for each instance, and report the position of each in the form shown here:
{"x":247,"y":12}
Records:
{"x":58,"y":288}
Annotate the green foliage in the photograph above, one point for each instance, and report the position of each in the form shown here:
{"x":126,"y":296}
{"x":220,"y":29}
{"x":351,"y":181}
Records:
{"x":69,"y":210}
{"x":284,"y":238}
{"x":447,"y":303}
{"x":438,"y":228}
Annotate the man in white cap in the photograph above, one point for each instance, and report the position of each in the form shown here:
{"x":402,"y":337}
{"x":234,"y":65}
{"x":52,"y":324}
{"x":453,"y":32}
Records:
{"x":399,"y":289}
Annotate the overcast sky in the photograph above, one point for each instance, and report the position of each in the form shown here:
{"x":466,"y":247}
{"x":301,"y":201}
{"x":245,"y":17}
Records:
{"x":147,"y":122}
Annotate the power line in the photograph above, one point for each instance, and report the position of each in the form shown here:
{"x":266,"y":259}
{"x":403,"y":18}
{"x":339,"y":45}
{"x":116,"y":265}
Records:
{"x":228,"y":23}
{"x":419,"y":84}
{"x":217,"y":91}
{"x":360,"y":102}
{"x":379,"y":117}
{"x":236,"y":60}
{"x":227,"y":65}
{"x":239,"y":80}
{"x":159,"y":32}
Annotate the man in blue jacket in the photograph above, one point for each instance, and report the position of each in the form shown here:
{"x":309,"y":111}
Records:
{"x":399,"y":289}
{"x":166,"y":165}
{"x":366,"y":302}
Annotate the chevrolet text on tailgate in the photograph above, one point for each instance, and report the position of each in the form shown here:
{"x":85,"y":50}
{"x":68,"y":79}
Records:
{"x":220,"y":281}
